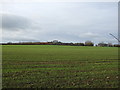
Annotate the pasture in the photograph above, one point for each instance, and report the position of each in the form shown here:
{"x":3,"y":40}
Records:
{"x":55,"y":66}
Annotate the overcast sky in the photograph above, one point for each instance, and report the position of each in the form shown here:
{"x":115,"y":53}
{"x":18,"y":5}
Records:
{"x":63,"y":21}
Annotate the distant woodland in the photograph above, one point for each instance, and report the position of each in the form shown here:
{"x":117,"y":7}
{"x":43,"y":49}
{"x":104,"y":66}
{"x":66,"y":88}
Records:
{"x":56,"y":42}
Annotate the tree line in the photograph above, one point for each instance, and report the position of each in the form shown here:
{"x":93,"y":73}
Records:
{"x":56,"y":42}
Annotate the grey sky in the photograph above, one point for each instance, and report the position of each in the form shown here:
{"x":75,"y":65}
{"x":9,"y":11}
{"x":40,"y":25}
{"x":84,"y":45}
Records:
{"x":13,"y":22}
{"x":67,"y":22}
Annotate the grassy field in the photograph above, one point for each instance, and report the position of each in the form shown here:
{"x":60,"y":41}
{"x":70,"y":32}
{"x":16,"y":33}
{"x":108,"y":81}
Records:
{"x":54,"y":66}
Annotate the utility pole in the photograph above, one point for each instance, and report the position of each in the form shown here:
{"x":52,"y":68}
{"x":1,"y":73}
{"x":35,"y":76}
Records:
{"x":115,"y":38}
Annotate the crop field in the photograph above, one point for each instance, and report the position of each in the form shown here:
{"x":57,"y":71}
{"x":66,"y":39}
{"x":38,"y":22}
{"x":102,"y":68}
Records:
{"x":55,"y":66}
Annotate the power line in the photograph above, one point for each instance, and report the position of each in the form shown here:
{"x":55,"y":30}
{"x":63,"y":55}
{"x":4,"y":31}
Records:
{"x":115,"y":37}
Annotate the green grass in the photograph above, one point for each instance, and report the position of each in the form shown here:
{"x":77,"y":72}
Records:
{"x":54,"y":66}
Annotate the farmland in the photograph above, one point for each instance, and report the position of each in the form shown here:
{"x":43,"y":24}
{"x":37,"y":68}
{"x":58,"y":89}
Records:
{"x":55,"y":66}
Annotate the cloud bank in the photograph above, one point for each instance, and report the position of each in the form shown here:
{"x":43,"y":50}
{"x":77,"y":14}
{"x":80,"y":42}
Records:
{"x":67,"y":22}
{"x":14,"y":22}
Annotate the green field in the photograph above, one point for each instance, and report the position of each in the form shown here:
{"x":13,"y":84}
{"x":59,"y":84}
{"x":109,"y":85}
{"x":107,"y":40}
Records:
{"x":55,"y":66}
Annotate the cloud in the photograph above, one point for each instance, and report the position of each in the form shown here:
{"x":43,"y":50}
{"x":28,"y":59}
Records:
{"x":13,"y":39}
{"x":67,"y":22}
{"x":18,"y":28}
{"x":89,"y":35}
{"x":14,"y":22}
{"x":14,"y":36}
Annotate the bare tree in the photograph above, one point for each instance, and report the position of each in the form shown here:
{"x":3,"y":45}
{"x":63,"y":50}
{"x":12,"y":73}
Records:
{"x":89,"y":43}
{"x":102,"y":44}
